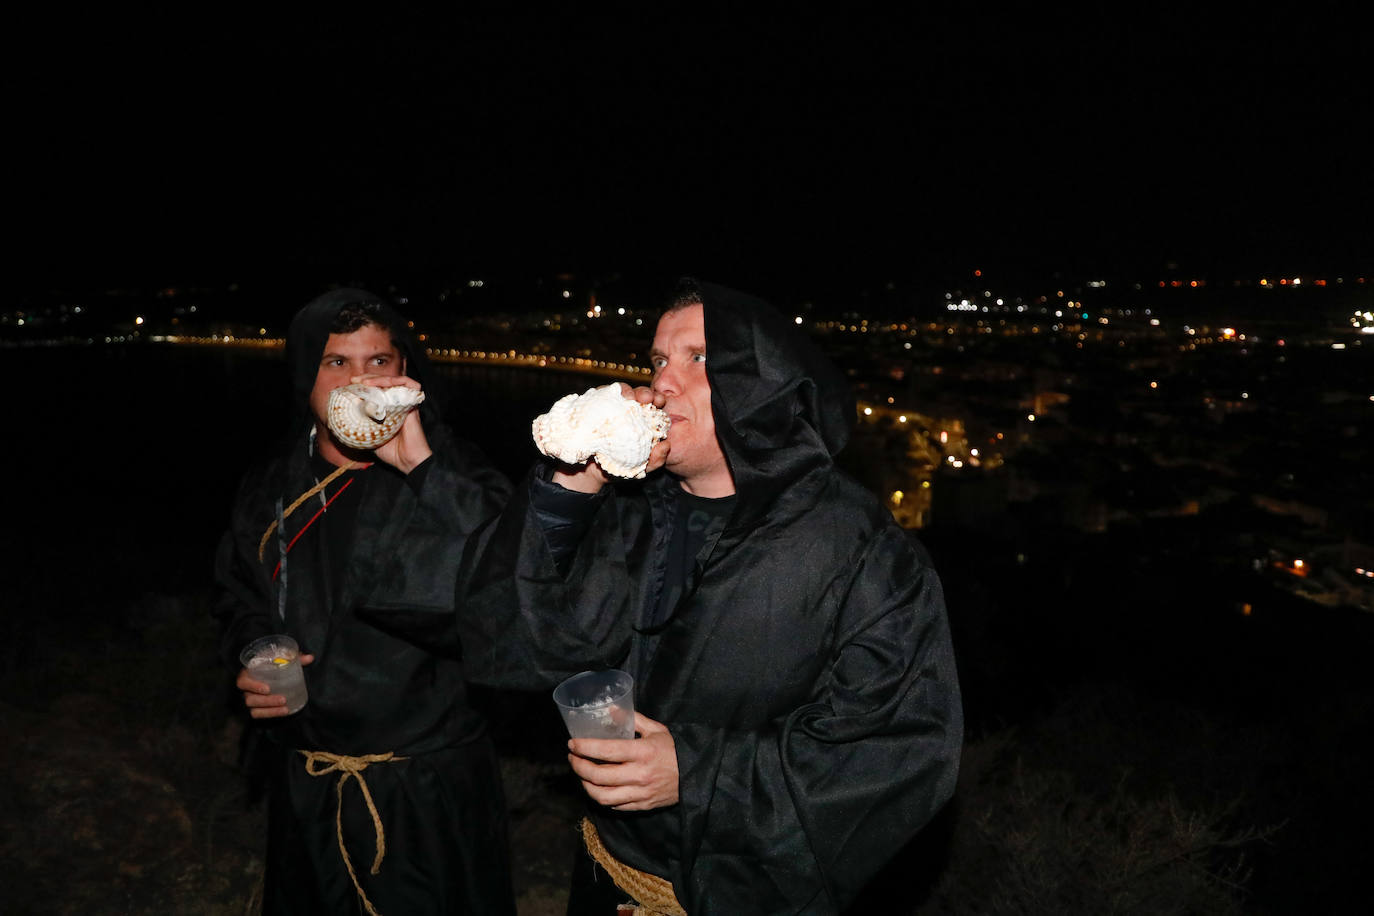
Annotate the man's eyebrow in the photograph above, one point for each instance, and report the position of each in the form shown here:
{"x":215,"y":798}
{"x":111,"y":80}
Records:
{"x":330,"y":354}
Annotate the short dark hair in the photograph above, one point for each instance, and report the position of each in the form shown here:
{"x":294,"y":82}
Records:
{"x":356,"y":315}
{"x":684,"y":294}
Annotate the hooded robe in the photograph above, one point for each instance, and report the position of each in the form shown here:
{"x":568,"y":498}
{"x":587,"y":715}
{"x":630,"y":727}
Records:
{"x":805,"y":673}
{"x":373,"y":687}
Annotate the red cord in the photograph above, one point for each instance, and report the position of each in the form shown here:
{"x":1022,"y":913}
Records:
{"x":311,"y":522}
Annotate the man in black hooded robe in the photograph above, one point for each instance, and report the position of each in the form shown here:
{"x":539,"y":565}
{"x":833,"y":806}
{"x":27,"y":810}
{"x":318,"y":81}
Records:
{"x":388,"y":726}
{"x":798,"y":709}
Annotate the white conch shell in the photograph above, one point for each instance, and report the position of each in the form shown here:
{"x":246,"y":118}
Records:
{"x":365,"y":416}
{"x":601,"y":423}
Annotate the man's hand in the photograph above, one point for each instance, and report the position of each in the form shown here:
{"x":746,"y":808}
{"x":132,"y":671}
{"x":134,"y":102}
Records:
{"x":589,"y":478}
{"x":257,"y":696}
{"x":634,"y":775}
{"x":408,"y":447}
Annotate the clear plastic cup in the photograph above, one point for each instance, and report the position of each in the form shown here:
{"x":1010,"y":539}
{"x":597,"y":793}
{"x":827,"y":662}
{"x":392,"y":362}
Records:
{"x":598,"y":704}
{"x":276,"y":661}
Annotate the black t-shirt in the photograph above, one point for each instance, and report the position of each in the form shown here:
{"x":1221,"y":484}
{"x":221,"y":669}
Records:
{"x":564,"y":516}
{"x":697,"y":519}
{"x":696,"y":523}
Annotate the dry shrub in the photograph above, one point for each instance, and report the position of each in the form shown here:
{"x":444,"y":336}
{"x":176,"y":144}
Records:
{"x":1033,"y":837}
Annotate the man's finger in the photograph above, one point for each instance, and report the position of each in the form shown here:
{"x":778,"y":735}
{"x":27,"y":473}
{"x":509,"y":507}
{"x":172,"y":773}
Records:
{"x":646,"y":726}
{"x":611,"y":750}
{"x":250,"y":684}
{"x":658,"y":455}
{"x":593,"y":773}
{"x":626,"y":798}
{"x":384,"y":381}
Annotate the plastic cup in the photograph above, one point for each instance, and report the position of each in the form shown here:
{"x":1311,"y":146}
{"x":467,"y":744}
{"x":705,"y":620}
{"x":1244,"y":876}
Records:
{"x":598,"y":704}
{"x":276,"y":661}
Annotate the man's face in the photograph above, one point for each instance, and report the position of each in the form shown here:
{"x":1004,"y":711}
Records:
{"x":366,"y":351}
{"x":678,"y":356}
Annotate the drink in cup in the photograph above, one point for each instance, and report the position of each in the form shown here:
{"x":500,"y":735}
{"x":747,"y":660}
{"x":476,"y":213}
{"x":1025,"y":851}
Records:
{"x":275,"y":660}
{"x":598,"y":704}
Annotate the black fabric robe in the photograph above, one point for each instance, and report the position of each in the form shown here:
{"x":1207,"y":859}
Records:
{"x":808,"y":678}
{"x":374,"y":686}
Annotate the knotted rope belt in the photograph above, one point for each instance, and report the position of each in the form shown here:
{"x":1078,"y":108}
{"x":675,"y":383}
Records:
{"x":653,"y":894}
{"x":322,"y":763}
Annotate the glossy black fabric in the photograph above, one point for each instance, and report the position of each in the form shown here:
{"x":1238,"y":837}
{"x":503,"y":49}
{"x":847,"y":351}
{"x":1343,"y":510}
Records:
{"x":808,"y":679}
{"x":380,"y":682}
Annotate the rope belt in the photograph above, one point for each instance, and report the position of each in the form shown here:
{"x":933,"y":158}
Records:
{"x":322,"y":763}
{"x":653,"y":894}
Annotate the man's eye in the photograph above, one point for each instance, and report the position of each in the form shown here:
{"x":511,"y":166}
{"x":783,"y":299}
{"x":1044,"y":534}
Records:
{"x":658,"y":362}
{"x":698,"y":357}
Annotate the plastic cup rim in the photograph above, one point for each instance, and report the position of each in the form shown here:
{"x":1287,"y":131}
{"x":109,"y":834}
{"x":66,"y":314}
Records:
{"x":251,"y":652}
{"x":618,"y":698}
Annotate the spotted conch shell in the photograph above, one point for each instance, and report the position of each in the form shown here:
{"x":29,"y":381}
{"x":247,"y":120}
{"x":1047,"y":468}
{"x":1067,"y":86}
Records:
{"x":601,"y":423}
{"x":366,"y":417}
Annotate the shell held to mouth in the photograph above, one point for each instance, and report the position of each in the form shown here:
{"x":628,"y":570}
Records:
{"x":618,"y":432}
{"x":367,"y":417}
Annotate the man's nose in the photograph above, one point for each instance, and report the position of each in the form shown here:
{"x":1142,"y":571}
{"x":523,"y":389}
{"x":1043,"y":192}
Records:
{"x":665,"y":382}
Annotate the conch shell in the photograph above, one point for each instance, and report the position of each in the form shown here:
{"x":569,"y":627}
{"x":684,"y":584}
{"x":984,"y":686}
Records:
{"x":366,"y":417}
{"x":601,"y":423}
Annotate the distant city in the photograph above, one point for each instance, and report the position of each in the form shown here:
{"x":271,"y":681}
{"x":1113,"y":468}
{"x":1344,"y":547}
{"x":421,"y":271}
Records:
{"x":1086,"y":409}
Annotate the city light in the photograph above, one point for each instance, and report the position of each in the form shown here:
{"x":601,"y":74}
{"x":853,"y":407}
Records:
{"x":923,"y":359}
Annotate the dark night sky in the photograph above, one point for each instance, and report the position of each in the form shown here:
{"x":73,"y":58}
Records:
{"x":825,"y":148}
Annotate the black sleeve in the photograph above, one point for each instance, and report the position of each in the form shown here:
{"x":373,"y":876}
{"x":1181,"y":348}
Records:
{"x":418,"y":474}
{"x":563,"y":515}
{"x":524,"y":622}
{"x":412,"y":565}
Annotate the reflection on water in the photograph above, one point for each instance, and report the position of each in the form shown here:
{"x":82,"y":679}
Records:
{"x":494,"y":407}
{"x":126,"y":459}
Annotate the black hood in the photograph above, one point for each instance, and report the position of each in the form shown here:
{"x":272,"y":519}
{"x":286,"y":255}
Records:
{"x":309,"y":332}
{"x":782,"y":409}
